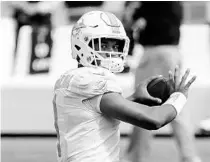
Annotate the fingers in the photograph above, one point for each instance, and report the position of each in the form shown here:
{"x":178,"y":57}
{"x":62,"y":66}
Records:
{"x":184,"y":78}
{"x":190,"y":82}
{"x":180,"y":85}
{"x":176,"y":77}
{"x":157,"y":100}
{"x":171,"y":79}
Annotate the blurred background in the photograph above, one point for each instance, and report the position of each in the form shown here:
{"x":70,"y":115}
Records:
{"x":35,"y":51}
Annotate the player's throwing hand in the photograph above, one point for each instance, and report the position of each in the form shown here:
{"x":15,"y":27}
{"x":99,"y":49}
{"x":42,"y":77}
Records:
{"x":141,"y":94}
{"x":178,"y":85}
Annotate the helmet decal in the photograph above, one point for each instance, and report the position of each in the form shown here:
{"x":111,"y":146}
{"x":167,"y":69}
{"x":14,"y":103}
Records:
{"x":77,"y":28}
{"x":112,"y":22}
{"x":112,"y":19}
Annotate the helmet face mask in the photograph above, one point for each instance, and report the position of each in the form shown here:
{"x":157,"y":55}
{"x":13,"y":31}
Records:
{"x":97,"y":43}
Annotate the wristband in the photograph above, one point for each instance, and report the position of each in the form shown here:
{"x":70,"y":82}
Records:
{"x":177,"y":100}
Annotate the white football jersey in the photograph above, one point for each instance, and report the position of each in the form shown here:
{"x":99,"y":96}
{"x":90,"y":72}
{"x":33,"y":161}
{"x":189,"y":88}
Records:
{"x":84,"y":133}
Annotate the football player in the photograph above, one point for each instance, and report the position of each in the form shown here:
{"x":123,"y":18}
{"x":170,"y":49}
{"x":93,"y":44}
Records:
{"x":88,"y":105}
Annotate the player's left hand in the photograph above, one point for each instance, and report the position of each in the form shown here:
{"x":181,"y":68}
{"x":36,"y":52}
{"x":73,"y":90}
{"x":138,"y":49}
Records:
{"x":141,"y":94}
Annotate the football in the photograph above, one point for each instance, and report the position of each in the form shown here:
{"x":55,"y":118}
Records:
{"x":160,"y":88}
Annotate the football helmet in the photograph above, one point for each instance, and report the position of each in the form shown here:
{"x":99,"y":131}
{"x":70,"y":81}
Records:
{"x":87,"y":36}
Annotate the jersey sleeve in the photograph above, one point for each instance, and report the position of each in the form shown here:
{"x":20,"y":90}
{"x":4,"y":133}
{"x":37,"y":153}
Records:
{"x":63,"y":82}
{"x":90,"y":84}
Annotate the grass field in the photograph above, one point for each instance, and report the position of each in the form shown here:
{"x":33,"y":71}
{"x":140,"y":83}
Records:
{"x":43,"y":149}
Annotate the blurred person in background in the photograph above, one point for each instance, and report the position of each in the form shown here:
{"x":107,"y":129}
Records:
{"x":88,"y":103}
{"x":77,"y":8}
{"x":36,"y":14}
{"x":129,"y":8}
{"x":156,"y":26}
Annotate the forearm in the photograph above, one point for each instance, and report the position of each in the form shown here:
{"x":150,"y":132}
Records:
{"x":151,"y":118}
{"x":162,"y":115}
{"x":165,"y":113}
{"x":157,"y":116}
